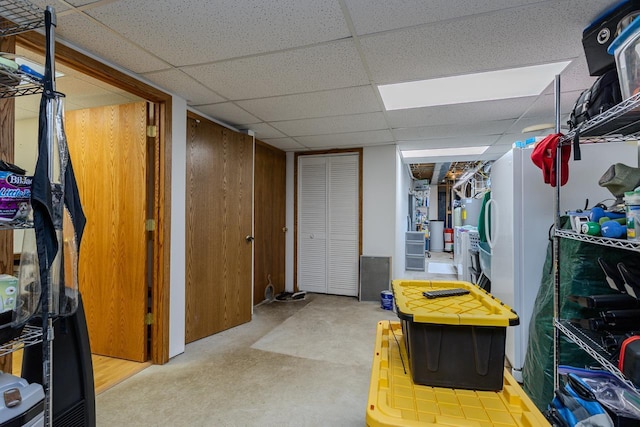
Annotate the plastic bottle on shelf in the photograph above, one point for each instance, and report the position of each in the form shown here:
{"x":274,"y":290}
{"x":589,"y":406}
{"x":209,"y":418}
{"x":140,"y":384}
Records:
{"x":632,"y":210}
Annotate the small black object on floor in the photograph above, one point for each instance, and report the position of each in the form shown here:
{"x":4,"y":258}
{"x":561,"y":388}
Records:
{"x":291,"y":296}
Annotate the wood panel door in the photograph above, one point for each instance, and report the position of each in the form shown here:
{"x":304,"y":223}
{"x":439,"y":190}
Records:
{"x":108,"y":148}
{"x":269,"y":222}
{"x":219,"y":219}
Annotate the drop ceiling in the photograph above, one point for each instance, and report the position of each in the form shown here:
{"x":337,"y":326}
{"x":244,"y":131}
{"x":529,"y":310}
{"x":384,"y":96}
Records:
{"x":303,"y":74}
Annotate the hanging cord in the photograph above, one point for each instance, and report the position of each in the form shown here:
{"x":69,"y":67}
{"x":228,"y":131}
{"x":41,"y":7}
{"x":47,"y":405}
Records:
{"x":399,"y":350}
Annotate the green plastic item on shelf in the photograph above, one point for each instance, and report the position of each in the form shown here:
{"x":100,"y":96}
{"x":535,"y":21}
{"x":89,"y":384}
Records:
{"x":8,"y":63}
{"x":579,"y":275}
{"x":591,"y":228}
{"x":484,"y":211}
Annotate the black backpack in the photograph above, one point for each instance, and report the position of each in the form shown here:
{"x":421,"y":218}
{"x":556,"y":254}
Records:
{"x":603,"y":95}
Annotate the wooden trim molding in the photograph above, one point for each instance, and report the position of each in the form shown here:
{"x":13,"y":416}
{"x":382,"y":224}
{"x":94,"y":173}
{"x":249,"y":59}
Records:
{"x":7,"y":151}
{"x":358,"y":151}
{"x":161,"y":251}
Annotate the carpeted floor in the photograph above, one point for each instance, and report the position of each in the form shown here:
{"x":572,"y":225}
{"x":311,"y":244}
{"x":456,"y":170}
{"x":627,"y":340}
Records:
{"x":298,"y":364}
{"x":440,"y":268}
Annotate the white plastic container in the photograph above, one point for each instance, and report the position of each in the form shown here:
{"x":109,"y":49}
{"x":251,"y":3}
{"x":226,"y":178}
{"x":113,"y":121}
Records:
{"x":626,"y":49}
{"x":632,"y":209}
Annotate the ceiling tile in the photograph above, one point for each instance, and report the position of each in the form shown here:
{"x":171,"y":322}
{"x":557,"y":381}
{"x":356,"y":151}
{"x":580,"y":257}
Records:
{"x":508,"y":38}
{"x":353,"y":139}
{"x":227,"y":112}
{"x":177,"y":82}
{"x":472,"y":112}
{"x":376,"y":16}
{"x":329,"y":66}
{"x":86,"y":34}
{"x":544,"y":106}
{"x":198,"y":31}
{"x":494,"y":152}
{"x":98,"y":101}
{"x":317,"y":104}
{"x":509,"y":139}
{"x":75,"y":87}
{"x":93,"y":3}
{"x":263,"y":130}
{"x":519,"y":125}
{"x":286,"y":144}
{"x":334,"y":124}
{"x":574,"y":78}
{"x":454,"y":130}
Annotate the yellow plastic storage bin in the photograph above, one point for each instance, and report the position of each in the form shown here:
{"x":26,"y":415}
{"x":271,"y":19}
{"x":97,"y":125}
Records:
{"x":455,"y":341}
{"x":396,"y":401}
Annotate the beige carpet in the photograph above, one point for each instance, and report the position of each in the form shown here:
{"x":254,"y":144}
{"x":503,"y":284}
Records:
{"x":298,"y":364}
{"x":440,"y":268}
{"x":323,"y":330}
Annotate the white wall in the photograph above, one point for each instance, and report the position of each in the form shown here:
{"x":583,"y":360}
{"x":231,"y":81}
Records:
{"x":177,"y":262}
{"x":26,"y":153}
{"x":379,"y":200}
{"x":403,"y":184}
{"x":433,"y":203}
{"x":379,"y":214}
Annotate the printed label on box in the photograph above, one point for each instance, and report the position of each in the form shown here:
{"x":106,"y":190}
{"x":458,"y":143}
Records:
{"x":15,"y":197}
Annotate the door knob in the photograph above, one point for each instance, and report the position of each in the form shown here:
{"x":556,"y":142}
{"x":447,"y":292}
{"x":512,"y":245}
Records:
{"x":249,"y":239}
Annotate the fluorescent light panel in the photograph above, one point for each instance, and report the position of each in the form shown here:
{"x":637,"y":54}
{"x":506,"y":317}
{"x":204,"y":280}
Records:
{"x":492,"y":85}
{"x":445,"y":152}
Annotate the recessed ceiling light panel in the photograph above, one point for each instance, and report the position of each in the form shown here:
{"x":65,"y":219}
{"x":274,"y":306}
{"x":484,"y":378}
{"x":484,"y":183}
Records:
{"x":492,"y":85}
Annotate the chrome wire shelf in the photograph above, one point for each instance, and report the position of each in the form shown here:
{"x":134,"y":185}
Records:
{"x":603,"y":241}
{"x":30,"y":335}
{"x":14,"y":226}
{"x":621,"y":122}
{"x":586,"y":341}
{"x":19,"y":16}
{"x":18,"y":83}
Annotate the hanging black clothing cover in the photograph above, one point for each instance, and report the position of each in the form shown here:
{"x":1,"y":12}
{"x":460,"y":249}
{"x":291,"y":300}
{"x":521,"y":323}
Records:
{"x":41,"y":200}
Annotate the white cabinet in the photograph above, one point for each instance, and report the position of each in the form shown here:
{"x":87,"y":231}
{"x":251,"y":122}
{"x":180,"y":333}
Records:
{"x":414,"y":250}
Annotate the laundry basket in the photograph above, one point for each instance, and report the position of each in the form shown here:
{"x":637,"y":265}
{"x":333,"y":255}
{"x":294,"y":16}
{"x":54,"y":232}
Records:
{"x":485,"y":258}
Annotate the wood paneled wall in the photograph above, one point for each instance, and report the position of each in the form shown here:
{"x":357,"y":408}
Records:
{"x":269,"y":222}
{"x":7,"y":140}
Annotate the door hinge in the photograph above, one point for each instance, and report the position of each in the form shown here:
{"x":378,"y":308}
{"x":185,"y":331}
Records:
{"x":150,"y":225}
{"x":152,"y":131}
{"x":148,"y":319}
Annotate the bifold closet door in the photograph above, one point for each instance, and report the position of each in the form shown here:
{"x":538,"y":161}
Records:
{"x":312,"y":224}
{"x":218,"y":230}
{"x":328,"y":224}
